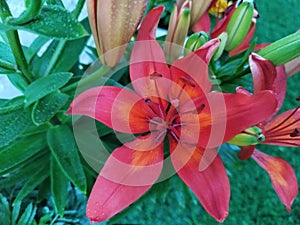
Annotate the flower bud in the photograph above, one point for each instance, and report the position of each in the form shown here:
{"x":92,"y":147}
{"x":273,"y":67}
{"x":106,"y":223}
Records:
{"x":250,"y":136}
{"x":283,"y":50}
{"x":177,"y":32}
{"x":239,"y":25}
{"x":113,"y":22}
{"x":195,"y":41}
{"x":198,"y":7}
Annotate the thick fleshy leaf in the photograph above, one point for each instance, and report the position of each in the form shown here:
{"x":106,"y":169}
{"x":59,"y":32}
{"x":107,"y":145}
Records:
{"x":118,"y":108}
{"x":211,"y":185}
{"x":126,"y":175}
{"x":282,"y":176}
{"x":268,"y":77}
{"x":225,"y":115}
{"x":284,"y":129}
{"x":149,"y":72}
{"x":190,"y":74}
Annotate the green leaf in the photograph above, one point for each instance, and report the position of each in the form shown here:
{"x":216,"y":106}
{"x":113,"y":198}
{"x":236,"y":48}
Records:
{"x":20,"y":151}
{"x":36,"y":178}
{"x":28,"y":215}
{"x":59,"y":187}
{"x":13,"y":124}
{"x":24,"y":171}
{"x":63,"y":147}
{"x":18,"y":81}
{"x":44,"y":86}
{"x":47,"y":107}
{"x":54,"y":22}
{"x":6,"y":53}
{"x":35,"y":47}
{"x":15,"y":213}
{"x":12,"y":104}
{"x":5,"y":211}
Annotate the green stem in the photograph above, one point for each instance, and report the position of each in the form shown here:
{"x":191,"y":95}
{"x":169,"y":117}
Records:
{"x":88,"y":79}
{"x":60,"y":46}
{"x":14,"y":42}
{"x":78,"y":8}
{"x":62,"y":43}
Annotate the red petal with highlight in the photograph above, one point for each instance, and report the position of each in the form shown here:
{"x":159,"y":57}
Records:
{"x":267,"y":77}
{"x":148,"y":66}
{"x":118,"y":108}
{"x":203,"y":24}
{"x":126,"y":176}
{"x":209,"y":183}
{"x":282,"y":176}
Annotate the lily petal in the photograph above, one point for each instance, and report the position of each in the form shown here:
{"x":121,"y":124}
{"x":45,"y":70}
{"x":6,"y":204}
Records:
{"x":203,"y":24}
{"x":118,"y":108}
{"x":284,"y":129}
{"x":282,"y":176}
{"x":267,"y":77}
{"x":225,"y":115}
{"x":149,"y":72}
{"x":126,"y":176}
{"x":190,"y":74}
{"x":211,"y":185}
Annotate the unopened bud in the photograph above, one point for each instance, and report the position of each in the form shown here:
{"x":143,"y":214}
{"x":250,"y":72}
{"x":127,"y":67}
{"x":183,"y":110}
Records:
{"x":177,"y":32}
{"x":239,"y":25}
{"x":283,"y":50}
{"x":250,"y":136}
{"x":195,"y":41}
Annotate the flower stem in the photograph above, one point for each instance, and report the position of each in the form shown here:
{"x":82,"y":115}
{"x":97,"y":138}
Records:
{"x":88,"y":79}
{"x":14,"y":42}
{"x":61,"y":44}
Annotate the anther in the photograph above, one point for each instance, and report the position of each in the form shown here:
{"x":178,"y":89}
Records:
{"x":148,"y":100}
{"x":155,"y":75}
{"x":295,"y":133}
{"x":187,"y":81}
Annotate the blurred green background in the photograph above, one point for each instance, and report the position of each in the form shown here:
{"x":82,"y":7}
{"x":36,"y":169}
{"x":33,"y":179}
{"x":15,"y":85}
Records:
{"x":253,"y":200}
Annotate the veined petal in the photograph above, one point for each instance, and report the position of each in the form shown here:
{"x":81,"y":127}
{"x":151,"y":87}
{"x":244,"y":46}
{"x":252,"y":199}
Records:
{"x":225,"y":115}
{"x":268,"y":77}
{"x":118,"y":108}
{"x":211,"y":185}
{"x":284,"y":129}
{"x":282,"y":176}
{"x":149,"y":72}
{"x":126,"y":176}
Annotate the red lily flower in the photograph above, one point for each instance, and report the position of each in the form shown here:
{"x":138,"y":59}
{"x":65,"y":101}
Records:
{"x":282,"y":130}
{"x":177,"y":103}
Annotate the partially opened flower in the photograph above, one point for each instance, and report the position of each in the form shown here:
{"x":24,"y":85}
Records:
{"x":113,"y":23}
{"x":177,"y":103}
{"x":282,"y":130}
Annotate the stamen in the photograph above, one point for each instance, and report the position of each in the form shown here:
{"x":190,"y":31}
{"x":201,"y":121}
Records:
{"x":195,"y":111}
{"x":174,"y":134}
